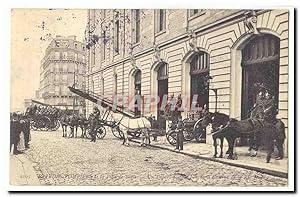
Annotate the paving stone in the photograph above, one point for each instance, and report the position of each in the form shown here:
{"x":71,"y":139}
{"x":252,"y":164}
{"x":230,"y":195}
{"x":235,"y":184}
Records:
{"x":69,"y":161}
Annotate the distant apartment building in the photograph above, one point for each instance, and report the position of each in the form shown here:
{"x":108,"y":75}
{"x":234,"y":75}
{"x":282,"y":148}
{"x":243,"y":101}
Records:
{"x":63,"y":65}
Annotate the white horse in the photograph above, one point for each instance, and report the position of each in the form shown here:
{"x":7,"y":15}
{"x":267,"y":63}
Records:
{"x":127,"y":125}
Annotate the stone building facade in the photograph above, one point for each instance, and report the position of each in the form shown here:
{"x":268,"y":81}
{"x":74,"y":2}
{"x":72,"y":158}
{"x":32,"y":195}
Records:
{"x":63,"y":63}
{"x":173,"y":51}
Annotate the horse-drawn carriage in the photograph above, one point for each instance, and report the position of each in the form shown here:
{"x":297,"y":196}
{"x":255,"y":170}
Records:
{"x":192,"y":129}
{"x":122,"y":122}
{"x":43,"y":117}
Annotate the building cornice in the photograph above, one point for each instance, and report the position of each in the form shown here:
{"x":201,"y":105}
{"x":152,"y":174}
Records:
{"x":229,"y":20}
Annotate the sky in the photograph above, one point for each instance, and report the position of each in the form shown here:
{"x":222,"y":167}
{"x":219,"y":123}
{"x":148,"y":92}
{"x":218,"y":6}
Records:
{"x":31,"y":32}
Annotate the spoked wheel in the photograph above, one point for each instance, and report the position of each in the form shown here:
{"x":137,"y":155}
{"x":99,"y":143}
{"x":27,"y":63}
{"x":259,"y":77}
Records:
{"x":101,"y":132}
{"x":116,"y":132}
{"x":136,"y":133}
{"x":171,"y":137}
{"x":188,"y":135}
{"x":88,"y":134}
{"x":33,"y":126}
{"x":55,"y":126}
{"x":200,"y":135}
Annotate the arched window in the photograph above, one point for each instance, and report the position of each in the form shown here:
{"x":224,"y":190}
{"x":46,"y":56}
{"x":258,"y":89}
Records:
{"x":260,"y":65}
{"x":199,"y":71}
{"x":162,"y":79}
{"x":260,"y":49}
{"x":200,"y":63}
{"x":137,"y":91}
{"x":162,"y":72}
{"x":137,"y":77}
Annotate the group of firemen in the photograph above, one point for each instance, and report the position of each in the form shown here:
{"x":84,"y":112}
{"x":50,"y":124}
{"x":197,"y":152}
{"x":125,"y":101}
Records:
{"x":264,"y":107}
{"x":19,"y":133}
{"x":265,"y":110}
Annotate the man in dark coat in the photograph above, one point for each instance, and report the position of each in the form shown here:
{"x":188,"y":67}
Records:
{"x":269,"y":109}
{"x":257,"y":111}
{"x":94,"y":123}
{"x":179,"y":136}
{"x":26,"y":131}
{"x":178,"y":106}
{"x":280,"y":137}
{"x":15,"y":130}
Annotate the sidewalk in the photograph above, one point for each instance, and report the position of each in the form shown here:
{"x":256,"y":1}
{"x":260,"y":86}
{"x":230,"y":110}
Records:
{"x":22,"y":172}
{"x":205,"y":151}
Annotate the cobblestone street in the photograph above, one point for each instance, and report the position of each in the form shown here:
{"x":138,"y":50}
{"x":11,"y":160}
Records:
{"x":69,"y":161}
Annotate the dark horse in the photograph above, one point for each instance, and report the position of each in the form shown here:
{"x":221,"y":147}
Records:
{"x":72,"y":121}
{"x":64,"y":121}
{"x":83,"y":123}
{"x":217,"y":120}
{"x":255,"y":131}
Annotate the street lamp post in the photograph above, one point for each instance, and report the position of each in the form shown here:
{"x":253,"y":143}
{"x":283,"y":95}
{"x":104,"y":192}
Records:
{"x":215,"y":90}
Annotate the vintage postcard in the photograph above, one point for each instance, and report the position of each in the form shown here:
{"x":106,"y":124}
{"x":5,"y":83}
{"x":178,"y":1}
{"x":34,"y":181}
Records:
{"x":152,"y":98}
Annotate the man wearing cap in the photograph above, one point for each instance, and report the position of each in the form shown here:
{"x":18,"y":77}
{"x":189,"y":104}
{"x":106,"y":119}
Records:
{"x":94,"y":122}
{"x":179,"y":136}
{"x":26,"y":131}
{"x":269,"y":108}
{"x":15,"y":130}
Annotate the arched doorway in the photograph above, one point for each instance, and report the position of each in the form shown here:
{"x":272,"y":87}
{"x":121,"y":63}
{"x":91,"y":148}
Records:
{"x":162,"y":91}
{"x":137,"y":92}
{"x":199,"y":74}
{"x":260,"y":64}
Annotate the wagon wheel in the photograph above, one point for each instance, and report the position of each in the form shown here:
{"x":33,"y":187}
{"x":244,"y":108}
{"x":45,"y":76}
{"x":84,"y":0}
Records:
{"x":115,"y":131}
{"x":136,"y":133}
{"x":39,"y":125}
{"x":200,"y":134}
{"x":46,"y":123}
{"x":101,"y":132}
{"x":188,"y":135}
{"x":33,"y":126}
{"x":87,"y":133}
{"x":171,"y":137}
{"x":56,"y":125}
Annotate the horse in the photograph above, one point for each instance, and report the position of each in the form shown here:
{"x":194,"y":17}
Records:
{"x":127,"y":125}
{"x":64,"y":121}
{"x":73,"y":124}
{"x":83,"y":123}
{"x":217,"y":121}
{"x":247,"y":129}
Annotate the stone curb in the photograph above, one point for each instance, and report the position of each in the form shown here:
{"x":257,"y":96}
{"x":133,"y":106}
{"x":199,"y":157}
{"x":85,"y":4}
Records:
{"x":28,"y":174}
{"x":262,"y":170}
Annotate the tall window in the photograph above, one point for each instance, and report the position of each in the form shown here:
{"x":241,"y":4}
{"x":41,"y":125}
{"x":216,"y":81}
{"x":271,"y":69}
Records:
{"x":160,"y":20}
{"x":136,"y":26}
{"x":117,"y":36}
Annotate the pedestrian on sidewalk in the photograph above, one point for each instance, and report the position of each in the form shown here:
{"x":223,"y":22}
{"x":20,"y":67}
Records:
{"x":94,"y":123}
{"x":26,"y":131}
{"x":179,"y":134}
{"x":14,"y":133}
{"x":21,"y":144}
